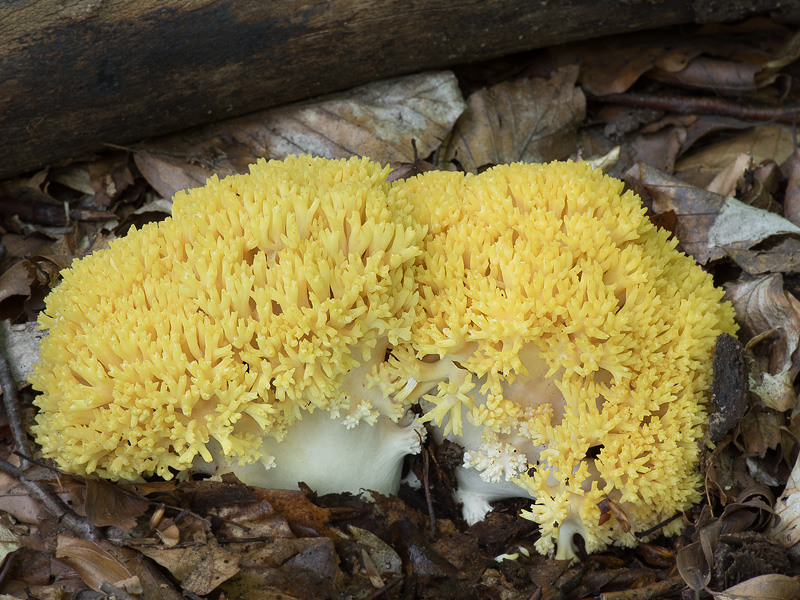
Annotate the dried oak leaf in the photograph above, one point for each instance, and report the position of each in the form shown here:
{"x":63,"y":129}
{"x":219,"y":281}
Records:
{"x":613,"y":64}
{"x":765,"y":142}
{"x":708,"y":73}
{"x":791,"y":200}
{"x":378,"y":120}
{"x":285,"y":568}
{"x":528,"y":120}
{"x":98,"y":562}
{"x":763,"y":305}
{"x":711,"y":226}
{"x":695,"y":209}
{"x":109,"y":504}
{"x":773,"y":586}
{"x":200,"y":565}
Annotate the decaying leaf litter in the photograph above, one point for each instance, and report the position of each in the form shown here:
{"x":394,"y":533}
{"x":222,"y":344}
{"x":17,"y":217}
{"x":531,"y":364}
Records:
{"x":700,"y":125}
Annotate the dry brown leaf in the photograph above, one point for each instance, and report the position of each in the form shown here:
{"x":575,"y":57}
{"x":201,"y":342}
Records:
{"x":789,"y":53}
{"x":15,"y":287}
{"x":11,"y":534}
{"x":528,"y":120}
{"x":383,"y":556}
{"x":298,"y":567}
{"x":709,"y":225}
{"x":759,"y":432}
{"x":378,"y":120}
{"x":766,"y":142}
{"x":611,"y":65}
{"x":74,"y":176}
{"x":706,"y":73}
{"x":17,"y":502}
{"x":695,"y":209}
{"x":791,"y":201}
{"x":249,"y":521}
{"x":786,"y":528}
{"x":781,"y":257}
{"x":763,"y":587}
{"x":95,"y":562}
{"x":658,"y":149}
{"x":168,"y":174}
{"x":199,"y":567}
{"x":109,"y":504}
{"x":693,"y":566}
{"x":21,"y":344}
{"x":725,"y":182}
{"x":764,"y":305}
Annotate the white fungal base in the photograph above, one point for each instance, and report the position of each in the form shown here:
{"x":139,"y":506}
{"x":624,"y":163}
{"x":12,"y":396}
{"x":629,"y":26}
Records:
{"x":485,"y":476}
{"x":565,"y":544}
{"x":328,"y":457}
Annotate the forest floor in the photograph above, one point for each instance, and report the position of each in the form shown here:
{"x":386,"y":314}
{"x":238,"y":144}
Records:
{"x":699,"y":122}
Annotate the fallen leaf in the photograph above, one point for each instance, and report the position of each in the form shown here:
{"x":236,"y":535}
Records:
{"x":763,"y":305}
{"x":378,"y":120}
{"x":738,"y":224}
{"x":94,"y":561}
{"x":713,"y":74}
{"x":659,"y":149}
{"x":21,"y":344}
{"x":168,"y":174}
{"x":726,"y":180}
{"x":16,"y":285}
{"x":109,"y":504}
{"x":74,"y":176}
{"x":759,"y":432}
{"x":711,"y":226}
{"x":781,"y":255}
{"x":789,"y":52}
{"x":695,"y":209}
{"x":764,"y":587}
{"x":384,"y":558}
{"x":528,"y":120}
{"x":300,"y":567}
{"x":304,"y":517}
{"x":241,"y":522}
{"x":786,"y":527}
{"x":11,"y":535}
{"x":791,"y":201}
{"x":611,"y":65}
{"x":766,"y":142}
{"x":693,"y":567}
{"x":199,"y":567}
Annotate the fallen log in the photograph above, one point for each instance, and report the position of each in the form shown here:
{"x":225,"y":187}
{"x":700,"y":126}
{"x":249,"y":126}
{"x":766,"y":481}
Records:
{"x":77,"y":75}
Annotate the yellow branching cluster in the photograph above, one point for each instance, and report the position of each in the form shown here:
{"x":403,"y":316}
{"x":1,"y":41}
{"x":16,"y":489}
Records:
{"x":557,"y":318}
{"x":250,"y":305}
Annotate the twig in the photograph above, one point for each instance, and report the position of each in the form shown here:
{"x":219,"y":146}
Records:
{"x":702,"y":106}
{"x":426,"y":483}
{"x":649,"y":592}
{"x":11,"y":403}
{"x":665,"y":522}
{"x":9,"y":560}
{"x":53,"y":503}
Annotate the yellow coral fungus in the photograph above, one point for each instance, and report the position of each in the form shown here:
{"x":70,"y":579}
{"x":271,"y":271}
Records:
{"x":202,"y":340}
{"x":566,"y":341}
{"x":534,"y":311}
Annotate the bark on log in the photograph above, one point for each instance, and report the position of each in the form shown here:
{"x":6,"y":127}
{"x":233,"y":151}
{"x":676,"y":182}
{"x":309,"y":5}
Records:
{"x":79,"y":74}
